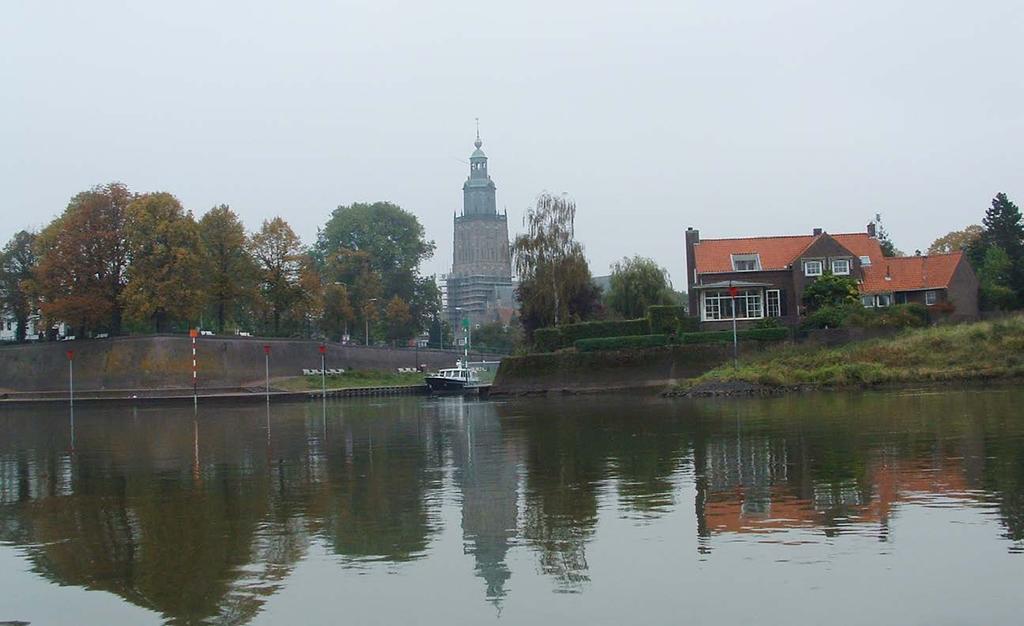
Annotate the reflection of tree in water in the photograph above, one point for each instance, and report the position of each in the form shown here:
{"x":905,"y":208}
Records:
{"x":375,"y":500}
{"x":136,"y":522}
{"x":574,"y":451}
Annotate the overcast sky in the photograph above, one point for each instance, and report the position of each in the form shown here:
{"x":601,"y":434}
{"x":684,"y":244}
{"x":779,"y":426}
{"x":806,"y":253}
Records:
{"x":738,"y":118}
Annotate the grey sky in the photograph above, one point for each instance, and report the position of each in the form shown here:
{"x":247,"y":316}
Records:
{"x":746,"y":117}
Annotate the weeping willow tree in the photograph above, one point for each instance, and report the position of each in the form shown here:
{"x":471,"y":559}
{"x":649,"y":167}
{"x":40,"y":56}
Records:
{"x":555,"y":285}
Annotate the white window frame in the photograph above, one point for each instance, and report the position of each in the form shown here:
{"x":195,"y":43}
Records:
{"x":746,"y":258}
{"x":773,"y":305}
{"x":815,"y":263}
{"x":837,"y":272}
{"x":883,"y":297}
{"x":714,"y":302}
{"x":868,"y":301}
{"x":865,"y":260}
{"x":931,"y":297}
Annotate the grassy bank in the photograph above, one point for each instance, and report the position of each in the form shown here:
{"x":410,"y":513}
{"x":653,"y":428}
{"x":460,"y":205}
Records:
{"x":979,"y":351}
{"x":350,"y":380}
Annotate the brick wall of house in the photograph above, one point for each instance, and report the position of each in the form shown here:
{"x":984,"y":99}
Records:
{"x":963,"y":292}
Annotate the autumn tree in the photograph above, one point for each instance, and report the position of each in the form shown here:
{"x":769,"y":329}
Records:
{"x":338,"y":312}
{"x":398,"y":320}
{"x":164,"y":281}
{"x":309,"y":307}
{"x":636,"y":284}
{"x":83,"y":261}
{"x":17,"y":263}
{"x":555,"y":286}
{"x":229,"y":273}
{"x":277,"y":251}
{"x":956,"y":240}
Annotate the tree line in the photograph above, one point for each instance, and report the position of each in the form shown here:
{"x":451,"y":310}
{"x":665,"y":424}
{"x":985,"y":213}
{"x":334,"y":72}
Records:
{"x":116,"y":261}
{"x":996,"y":251}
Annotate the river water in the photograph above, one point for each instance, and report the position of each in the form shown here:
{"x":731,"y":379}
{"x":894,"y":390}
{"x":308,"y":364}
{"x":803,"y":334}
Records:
{"x":870,"y":508}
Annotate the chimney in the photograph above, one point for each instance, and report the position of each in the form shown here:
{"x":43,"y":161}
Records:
{"x":817,"y":231}
{"x":871,"y":230}
{"x":692,"y":239}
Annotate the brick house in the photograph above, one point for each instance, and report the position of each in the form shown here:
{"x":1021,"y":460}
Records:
{"x":771,"y":273}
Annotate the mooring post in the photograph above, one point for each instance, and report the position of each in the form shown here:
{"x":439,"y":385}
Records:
{"x":323,"y":372}
{"x":266,"y":356}
{"x":194,"y":333}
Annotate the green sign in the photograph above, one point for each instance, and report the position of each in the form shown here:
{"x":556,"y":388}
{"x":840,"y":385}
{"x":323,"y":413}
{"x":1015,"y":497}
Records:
{"x":465,"y":323}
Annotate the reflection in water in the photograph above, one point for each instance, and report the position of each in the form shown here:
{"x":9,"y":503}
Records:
{"x":206,"y":518}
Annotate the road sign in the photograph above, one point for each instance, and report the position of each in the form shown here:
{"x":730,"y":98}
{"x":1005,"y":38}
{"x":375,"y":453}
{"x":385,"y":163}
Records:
{"x":733,"y":292}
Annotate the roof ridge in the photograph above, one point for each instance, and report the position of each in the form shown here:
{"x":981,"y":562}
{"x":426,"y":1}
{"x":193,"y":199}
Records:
{"x":781,"y":236}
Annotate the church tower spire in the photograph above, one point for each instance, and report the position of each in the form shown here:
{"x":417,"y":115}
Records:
{"x":478,"y":192}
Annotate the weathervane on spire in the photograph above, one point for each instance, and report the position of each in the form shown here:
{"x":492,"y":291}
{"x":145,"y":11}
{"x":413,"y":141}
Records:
{"x":478,"y":143}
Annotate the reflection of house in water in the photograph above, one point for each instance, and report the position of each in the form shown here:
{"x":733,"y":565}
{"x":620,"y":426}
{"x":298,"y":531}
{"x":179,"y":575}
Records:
{"x":487,"y":462}
{"x":752,"y":488}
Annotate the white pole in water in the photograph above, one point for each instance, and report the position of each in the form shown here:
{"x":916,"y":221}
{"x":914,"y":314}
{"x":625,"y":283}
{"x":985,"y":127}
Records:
{"x":194,"y":332}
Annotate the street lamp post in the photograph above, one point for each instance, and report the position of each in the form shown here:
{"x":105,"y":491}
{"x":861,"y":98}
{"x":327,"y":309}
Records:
{"x":366,"y":320}
{"x":733,"y":292}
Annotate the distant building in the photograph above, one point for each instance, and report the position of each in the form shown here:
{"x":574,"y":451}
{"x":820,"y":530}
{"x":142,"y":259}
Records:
{"x":480,"y":284}
{"x":9,"y":327}
{"x":771,"y":273}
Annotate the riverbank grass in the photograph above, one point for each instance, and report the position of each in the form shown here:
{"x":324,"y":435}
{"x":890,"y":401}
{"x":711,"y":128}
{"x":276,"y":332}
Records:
{"x":351,"y":380}
{"x":978,"y":351}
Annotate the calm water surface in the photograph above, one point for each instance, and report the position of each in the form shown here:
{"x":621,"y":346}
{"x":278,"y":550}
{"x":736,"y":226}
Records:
{"x":878,"y":508}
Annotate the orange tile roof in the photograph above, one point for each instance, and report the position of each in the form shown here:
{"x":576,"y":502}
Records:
{"x":776,"y":253}
{"x":910,"y":273}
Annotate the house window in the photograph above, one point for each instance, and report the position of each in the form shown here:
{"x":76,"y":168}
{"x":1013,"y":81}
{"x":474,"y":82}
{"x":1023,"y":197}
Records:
{"x":867,"y":301}
{"x":883,"y":299}
{"x":812,"y":268}
{"x":865,"y":260}
{"x":718,"y":305}
{"x":931,"y":297}
{"x":773,"y":303}
{"x":841,"y":267}
{"x":746,"y":262}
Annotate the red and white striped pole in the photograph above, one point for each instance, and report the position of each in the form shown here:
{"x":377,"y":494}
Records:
{"x":194,"y":333}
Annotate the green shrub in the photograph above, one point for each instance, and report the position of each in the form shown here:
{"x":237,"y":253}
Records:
{"x":912,"y":315}
{"x":725,"y":336}
{"x":665,"y":318}
{"x":593,"y":330}
{"x":621,"y":343}
{"x":547,"y":339}
{"x":833,"y":316}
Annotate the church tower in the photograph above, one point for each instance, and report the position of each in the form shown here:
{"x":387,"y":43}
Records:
{"x":480,"y":284}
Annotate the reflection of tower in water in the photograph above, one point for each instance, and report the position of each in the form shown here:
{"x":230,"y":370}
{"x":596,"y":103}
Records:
{"x":487,"y":476}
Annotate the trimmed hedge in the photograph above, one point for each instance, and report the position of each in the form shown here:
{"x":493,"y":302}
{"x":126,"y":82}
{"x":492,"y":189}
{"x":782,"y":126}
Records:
{"x":725,"y":336}
{"x":665,"y":318}
{"x":621,"y":343}
{"x":555,"y":338}
{"x":547,"y":339}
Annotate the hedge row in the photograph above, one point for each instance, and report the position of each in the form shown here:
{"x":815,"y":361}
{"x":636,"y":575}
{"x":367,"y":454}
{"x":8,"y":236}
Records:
{"x":621,"y":343}
{"x":670,"y":319}
{"x":725,"y":336}
{"x":551,"y":339}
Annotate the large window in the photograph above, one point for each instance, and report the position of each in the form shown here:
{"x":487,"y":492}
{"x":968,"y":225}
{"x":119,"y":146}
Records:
{"x":841,"y":267}
{"x":812,"y":268}
{"x":773,"y":303}
{"x":718,"y":305}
